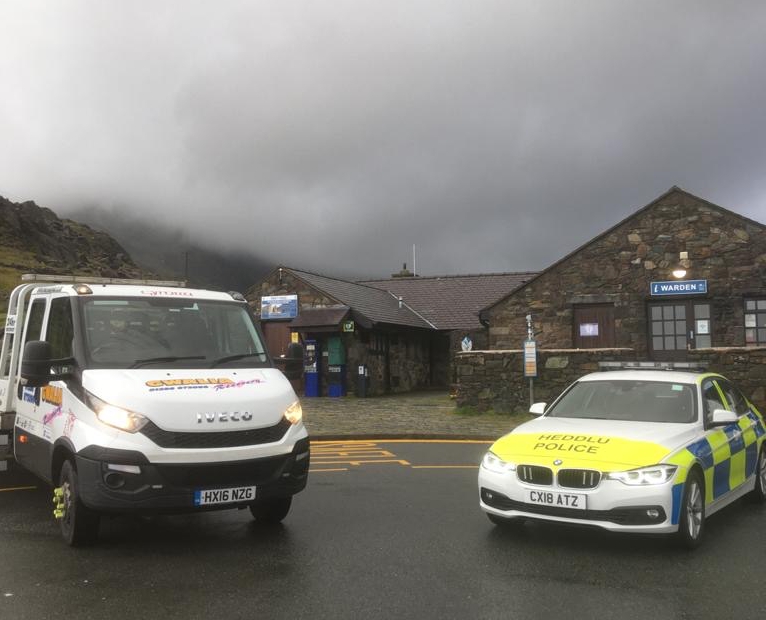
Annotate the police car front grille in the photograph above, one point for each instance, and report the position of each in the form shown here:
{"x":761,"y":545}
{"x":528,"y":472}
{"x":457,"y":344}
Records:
{"x":534,"y":474}
{"x":219,"y":439}
{"x":578,"y":478}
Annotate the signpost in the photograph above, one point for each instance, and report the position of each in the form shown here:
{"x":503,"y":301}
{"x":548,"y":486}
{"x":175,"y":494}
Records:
{"x":530,"y":358}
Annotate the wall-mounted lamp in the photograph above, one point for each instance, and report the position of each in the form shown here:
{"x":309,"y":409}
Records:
{"x":683,"y":264}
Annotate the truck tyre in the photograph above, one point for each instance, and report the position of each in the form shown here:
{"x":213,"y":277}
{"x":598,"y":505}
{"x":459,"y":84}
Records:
{"x":79,"y":524}
{"x":758,"y":494}
{"x":271,"y":510}
{"x":691,"y":525}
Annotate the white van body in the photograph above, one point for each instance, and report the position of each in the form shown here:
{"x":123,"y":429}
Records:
{"x":148,"y":398}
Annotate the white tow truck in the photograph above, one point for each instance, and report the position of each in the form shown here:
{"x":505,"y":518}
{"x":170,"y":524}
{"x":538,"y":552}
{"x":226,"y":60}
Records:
{"x":139,"y":396}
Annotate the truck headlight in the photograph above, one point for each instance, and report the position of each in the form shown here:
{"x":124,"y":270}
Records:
{"x":654,"y":474}
{"x":494,"y":463}
{"x":120,"y":418}
{"x":294,"y":413}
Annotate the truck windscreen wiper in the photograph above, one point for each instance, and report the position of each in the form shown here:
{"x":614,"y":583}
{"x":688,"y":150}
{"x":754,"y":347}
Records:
{"x":232,"y":358}
{"x":159,"y":360}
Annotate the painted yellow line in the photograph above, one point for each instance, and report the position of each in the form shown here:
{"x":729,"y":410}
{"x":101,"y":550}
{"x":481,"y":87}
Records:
{"x":445,"y":467}
{"x":365,"y":462}
{"x":313,"y":471}
{"x":322,"y":442}
{"x":18,"y":489}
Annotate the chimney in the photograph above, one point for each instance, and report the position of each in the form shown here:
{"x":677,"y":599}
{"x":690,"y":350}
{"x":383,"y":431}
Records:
{"x":404,"y":273}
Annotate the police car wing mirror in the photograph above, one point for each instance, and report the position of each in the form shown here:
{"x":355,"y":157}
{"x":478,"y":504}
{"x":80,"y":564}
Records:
{"x":537,"y":408}
{"x":721,"y":417}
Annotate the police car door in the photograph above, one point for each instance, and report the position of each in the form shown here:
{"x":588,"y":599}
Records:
{"x":742,"y":436}
{"x":31,"y":448}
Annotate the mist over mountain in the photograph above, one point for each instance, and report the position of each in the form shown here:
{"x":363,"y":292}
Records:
{"x":173,"y":254}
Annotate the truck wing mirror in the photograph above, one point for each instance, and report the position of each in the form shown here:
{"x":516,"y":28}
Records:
{"x":36,"y":363}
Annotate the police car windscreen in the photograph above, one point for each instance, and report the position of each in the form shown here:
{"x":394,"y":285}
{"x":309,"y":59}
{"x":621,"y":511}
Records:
{"x":637,"y":401}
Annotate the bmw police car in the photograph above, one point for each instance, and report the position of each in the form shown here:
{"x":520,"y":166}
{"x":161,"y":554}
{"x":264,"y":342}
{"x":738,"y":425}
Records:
{"x":631,"y":450}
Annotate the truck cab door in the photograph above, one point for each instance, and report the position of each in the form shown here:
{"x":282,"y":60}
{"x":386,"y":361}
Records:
{"x":29,"y":444}
{"x":39,"y":414}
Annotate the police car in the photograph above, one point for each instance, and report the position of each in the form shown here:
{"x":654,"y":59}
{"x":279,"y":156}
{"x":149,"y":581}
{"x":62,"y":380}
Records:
{"x":632,"y":449}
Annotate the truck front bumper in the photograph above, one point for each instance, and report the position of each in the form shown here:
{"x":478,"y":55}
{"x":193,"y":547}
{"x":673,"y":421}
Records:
{"x":125,"y":482}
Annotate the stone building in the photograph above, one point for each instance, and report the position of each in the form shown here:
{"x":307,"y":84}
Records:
{"x":681,"y":279}
{"x":403,"y":330}
{"x":619,"y":289}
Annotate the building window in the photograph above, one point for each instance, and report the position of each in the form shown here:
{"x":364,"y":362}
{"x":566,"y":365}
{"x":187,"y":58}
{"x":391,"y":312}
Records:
{"x":755,"y":322}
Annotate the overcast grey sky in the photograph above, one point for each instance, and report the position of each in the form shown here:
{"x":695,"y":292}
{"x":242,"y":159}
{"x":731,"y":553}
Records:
{"x":332,"y":135}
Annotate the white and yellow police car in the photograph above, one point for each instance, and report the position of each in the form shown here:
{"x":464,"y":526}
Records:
{"x":630,"y":450}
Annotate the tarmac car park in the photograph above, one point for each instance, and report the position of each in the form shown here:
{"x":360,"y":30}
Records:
{"x":634,"y":449}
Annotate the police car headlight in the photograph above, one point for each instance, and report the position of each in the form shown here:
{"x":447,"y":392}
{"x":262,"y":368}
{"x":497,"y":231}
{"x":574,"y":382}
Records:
{"x":117,"y":417}
{"x":294,"y":413}
{"x":656,"y":474}
{"x":495,"y":464}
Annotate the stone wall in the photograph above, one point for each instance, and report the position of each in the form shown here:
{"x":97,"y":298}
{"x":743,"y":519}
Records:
{"x":616,"y":268}
{"x":495,"y":379}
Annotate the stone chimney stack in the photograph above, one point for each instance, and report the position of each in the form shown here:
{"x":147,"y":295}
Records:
{"x":404,"y":273}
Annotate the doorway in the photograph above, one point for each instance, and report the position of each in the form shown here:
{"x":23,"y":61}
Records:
{"x":677,"y":326}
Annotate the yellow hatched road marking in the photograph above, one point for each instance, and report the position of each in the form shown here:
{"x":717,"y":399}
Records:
{"x":313,"y":471}
{"x":360,"y":462}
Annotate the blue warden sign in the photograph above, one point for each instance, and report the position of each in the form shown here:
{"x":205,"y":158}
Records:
{"x":684,"y":287}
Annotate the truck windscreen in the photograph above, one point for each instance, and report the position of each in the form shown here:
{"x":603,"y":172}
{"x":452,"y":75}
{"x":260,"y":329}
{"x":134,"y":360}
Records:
{"x":140,"y":333}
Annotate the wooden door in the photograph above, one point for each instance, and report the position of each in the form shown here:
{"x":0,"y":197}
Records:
{"x":594,"y":326}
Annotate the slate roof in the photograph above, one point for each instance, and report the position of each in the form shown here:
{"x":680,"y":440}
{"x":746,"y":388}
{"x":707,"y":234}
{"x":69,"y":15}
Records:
{"x":453,"y":302}
{"x":369,"y":305}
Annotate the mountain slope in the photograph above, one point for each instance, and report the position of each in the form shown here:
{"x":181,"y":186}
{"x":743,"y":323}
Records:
{"x":35,"y":239}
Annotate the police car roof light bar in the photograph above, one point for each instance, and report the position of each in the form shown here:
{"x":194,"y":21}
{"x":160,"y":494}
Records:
{"x":687,"y":366}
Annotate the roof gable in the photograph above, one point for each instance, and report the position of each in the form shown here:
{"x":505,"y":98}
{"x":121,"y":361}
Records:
{"x":634,"y":215}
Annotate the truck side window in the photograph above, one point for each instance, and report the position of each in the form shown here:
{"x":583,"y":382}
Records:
{"x":35,"y":321}
{"x":60,"y":331}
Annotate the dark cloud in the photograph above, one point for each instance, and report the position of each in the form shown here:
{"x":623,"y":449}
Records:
{"x":493,"y":135}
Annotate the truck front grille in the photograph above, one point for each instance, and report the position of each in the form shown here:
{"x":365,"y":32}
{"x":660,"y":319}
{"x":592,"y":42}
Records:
{"x":218,"y":439}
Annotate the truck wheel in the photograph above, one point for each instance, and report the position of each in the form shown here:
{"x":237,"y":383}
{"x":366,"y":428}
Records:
{"x":758,"y":494}
{"x":271,"y":510}
{"x":79,"y":524}
{"x":692,"y":521}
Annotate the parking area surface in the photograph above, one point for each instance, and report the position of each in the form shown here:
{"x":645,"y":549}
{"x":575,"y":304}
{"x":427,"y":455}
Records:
{"x":416,"y":415}
{"x":385,"y":529}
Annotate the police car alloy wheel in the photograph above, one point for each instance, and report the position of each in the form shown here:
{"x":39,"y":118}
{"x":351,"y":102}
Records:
{"x":692,"y":522}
